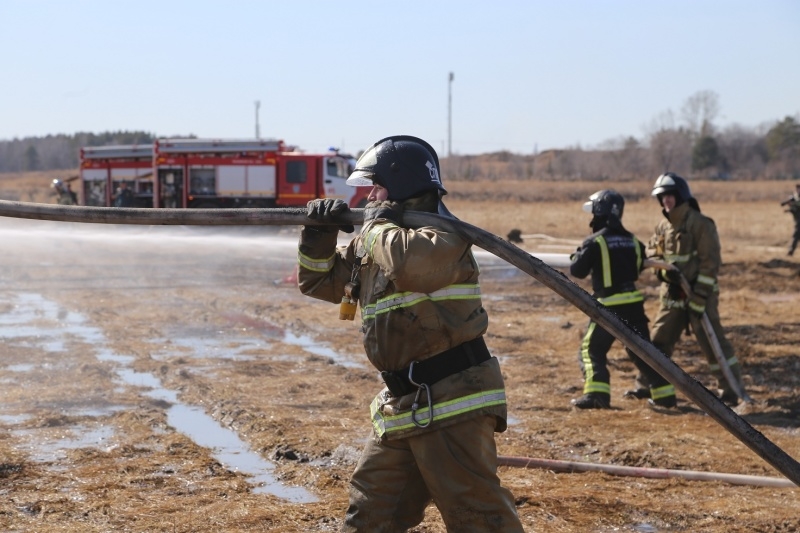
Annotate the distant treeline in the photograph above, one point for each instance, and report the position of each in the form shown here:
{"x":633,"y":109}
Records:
{"x":56,"y":152}
{"x":694,"y":149}
{"x":736,"y":153}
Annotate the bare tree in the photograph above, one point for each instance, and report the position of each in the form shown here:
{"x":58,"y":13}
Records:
{"x":699,"y":112}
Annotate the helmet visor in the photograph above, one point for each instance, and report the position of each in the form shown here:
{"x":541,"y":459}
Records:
{"x":587,"y":207}
{"x":361,"y":178}
{"x":364,"y":173}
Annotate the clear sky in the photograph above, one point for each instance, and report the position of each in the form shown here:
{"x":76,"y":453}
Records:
{"x":527,"y":74}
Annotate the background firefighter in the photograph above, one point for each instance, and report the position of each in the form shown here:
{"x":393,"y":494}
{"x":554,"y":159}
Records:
{"x":423,"y":324}
{"x":614,"y":257}
{"x":64,"y":193}
{"x":793,"y":205}
{"x":689,"y":240}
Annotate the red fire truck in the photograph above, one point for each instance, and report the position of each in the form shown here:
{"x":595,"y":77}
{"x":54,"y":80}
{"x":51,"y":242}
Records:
{"x":204,"y":173}
{"x":104,"y":168}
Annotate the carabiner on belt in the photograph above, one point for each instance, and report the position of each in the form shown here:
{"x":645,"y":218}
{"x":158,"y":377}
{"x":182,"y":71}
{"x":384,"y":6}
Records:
{"x":415,"y":405}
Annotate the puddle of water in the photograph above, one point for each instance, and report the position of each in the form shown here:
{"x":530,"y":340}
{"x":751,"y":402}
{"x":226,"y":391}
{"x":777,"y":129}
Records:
{"x":45,"y":449}
{"x":232,"y":452}
{"x":311,"y":346}
{"x":202,"y":343}
{"x":225,"y":444}
{"x":25,"y":367}
{"x":14,"y":419}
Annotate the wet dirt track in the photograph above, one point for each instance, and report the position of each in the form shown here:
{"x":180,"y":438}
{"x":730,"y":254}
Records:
{"x":167,"y":379}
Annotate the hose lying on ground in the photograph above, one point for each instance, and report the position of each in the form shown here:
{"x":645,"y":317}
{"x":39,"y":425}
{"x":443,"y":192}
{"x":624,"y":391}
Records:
{"x":635,"y":471}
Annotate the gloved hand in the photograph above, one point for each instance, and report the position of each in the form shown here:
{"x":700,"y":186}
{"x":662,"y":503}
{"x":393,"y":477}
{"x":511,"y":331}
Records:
{"x":697,"y":304}
{"x":669,"y":276}
{"x":386,"y":210}
{"x":326,"y":210}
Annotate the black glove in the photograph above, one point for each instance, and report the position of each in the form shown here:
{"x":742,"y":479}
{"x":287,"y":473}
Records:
{"x":326,"y":210}
{"x":386,"y":210}
{"x":669,"y":276}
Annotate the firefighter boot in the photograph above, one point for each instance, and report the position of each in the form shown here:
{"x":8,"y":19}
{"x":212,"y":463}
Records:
{"x":593,"y":400}
{"x":727,"y":395}
{"x":666,"y":401}
{"x":639,"y":393}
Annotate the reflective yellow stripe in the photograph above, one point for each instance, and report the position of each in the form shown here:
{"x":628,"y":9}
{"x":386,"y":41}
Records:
{"x":588,"y":369}
{"x":441,"y":411}
{"x":714,"y":367}
{"x":696,"y":307}
{"x":706,"y":280}
{"x":400,"y":300}
{"x":638,"y":253}
{"x":622,"y":298}
{"x":315,"y":265}
{"x":372,"y":235}
{"x":662,"y":392}
{"x":674,"y":258}
{"x":605,"y":260}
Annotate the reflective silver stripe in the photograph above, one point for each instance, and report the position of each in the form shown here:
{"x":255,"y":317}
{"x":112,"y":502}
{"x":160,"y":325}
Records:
{"x":441,"y":411}
{"x":315,"y":265}
{"x":669,"y":303}
{"x":622,"y":298}
{"x":372,"y":235}
{"x":407,"y":299}
{"x":674,"y":258}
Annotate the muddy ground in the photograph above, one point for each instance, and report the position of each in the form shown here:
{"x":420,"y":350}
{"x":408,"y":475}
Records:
{"x":174,"y":379}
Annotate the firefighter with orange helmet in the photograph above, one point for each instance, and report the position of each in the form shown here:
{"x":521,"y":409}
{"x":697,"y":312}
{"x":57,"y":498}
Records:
{"x":614,"y":257}
{"x":423,"y":324}
{"x":689,"y":241}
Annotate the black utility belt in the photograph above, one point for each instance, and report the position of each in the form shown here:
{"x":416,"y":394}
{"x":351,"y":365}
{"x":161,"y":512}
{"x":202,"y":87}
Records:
{"x":436,"y":368}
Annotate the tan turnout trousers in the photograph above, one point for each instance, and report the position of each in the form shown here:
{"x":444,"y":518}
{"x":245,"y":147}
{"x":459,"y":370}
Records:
{"x":455,"y":468}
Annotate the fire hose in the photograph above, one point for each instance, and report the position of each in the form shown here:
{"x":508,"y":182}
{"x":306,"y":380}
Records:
{"x":556,"y":281}
{"x":641,"y":471}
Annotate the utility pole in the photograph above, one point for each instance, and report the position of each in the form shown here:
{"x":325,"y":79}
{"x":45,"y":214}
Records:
{"x":450,"y":116}
{"x":258,"y":133}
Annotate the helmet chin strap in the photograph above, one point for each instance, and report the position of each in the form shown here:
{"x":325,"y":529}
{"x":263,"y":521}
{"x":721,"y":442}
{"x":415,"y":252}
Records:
{"x":442,"y":209}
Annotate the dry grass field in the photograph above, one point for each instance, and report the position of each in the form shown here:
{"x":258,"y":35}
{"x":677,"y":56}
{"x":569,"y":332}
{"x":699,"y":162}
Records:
{"x":124,"y":348}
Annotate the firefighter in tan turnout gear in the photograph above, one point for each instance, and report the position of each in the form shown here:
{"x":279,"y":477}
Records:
{"x":689,"y":240}
{"x":614,"y":257}
{"x":423,"y":324}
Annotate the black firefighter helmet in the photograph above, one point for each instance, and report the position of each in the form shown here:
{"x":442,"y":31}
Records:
{"x":406,"y":166}
{"x":606,"y":205}
{"x":671,"y":183}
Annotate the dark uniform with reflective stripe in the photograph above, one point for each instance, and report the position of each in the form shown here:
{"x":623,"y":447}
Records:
{"x":614,"y":257}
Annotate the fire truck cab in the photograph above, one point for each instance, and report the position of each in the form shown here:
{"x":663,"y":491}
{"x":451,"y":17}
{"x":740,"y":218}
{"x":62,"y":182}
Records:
{"x":203,"y":173}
